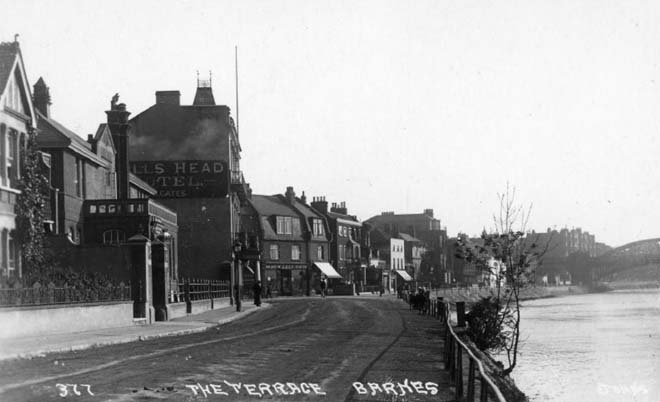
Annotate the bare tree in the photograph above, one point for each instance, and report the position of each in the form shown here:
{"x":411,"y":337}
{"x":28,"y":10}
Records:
{"x":510,"y":256}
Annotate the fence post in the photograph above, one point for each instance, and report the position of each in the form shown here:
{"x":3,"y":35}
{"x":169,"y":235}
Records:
{"x":186,"y":295}
{"x":459,"y":372}
{"x":460,"y":313}
{"x":470,"y":389}
{"x":484,"y":390}
{"x":441,"y":308}
{"x":208,"y":291}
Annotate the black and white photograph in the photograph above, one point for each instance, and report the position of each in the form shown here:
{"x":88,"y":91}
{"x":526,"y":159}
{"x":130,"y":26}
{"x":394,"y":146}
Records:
{"x":294,"y":200}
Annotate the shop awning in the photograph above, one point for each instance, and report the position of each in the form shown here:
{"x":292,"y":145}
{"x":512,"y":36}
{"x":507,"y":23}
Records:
{"x":327,"y":269}
{"x":404,"y":275}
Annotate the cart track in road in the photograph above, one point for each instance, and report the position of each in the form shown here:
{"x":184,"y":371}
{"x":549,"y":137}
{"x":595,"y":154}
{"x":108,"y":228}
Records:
{"x":363,"y":374}
{"x":156,"y":353}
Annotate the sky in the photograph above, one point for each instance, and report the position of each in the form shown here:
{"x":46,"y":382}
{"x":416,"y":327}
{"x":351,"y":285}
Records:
{"x":390,"y":105}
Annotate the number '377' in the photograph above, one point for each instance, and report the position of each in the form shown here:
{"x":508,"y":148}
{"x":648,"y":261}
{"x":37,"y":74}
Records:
{"x":72,"y":389}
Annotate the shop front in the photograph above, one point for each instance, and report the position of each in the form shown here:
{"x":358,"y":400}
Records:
{"x":285,"y":279}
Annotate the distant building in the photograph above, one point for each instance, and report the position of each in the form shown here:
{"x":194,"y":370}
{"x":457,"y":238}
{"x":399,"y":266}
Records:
{"x":427,"y":228}
{"x":415,"y":250}
{"x":391,"y":258}
{"x":191,"y":155}
{"x":17,"y":118}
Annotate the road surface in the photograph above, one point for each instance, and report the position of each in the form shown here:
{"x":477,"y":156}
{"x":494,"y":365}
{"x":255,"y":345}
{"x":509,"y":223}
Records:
{"x":331,"y":349}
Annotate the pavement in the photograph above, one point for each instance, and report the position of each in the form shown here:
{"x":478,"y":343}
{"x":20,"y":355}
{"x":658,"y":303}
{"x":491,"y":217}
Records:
{"x":39,"y":345}
{"x":34,"y":346}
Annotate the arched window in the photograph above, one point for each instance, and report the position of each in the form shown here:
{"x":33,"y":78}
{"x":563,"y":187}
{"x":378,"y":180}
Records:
{"x":114,"y":236}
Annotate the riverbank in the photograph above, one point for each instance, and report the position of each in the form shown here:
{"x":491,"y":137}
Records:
{"x":471,"y":295}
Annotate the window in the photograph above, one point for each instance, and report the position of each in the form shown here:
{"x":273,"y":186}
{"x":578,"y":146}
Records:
{"x":319,"y":253}
{"x":274,"y":252}
{"x":92,"y":209}
{"x":12,"y":162}
{"x":284,"y":225}
{"x":318,"y":227}
{"x":295,"y":252}
{"x":11,"y":255}
{"x":79,"y":179}
{"x":114,"y":236}
{"x":342,"y":252}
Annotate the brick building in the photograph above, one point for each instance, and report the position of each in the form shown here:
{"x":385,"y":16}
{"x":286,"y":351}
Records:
{"x":95,"y":203}
{"x":294,"y":240}
{"x":191,"y":155}
{"x":347,"y":238}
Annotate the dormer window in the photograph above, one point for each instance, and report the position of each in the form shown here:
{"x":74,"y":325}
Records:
{"x":284,"y":225}
{"x":318,"y":227}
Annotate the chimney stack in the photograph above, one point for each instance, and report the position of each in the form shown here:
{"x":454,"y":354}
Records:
{"x":320,"y":204}
{"x":339,"y":208}
{"x":303,"y":198}
{"x":119,"y":127}
{"x":290,"y":195}
{"x":41,"y":97}
{"x":428,"y":212}
{"x":168,"y":97}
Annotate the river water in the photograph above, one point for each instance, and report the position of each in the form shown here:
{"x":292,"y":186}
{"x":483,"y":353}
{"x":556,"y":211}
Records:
{"x":593,"y":347}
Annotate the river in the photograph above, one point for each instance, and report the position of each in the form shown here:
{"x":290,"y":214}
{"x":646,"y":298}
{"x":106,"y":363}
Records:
{"x":593,"y":347}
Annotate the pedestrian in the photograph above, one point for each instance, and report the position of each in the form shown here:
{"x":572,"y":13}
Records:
{"x":323,"y":285}
{"x":256,"y":289}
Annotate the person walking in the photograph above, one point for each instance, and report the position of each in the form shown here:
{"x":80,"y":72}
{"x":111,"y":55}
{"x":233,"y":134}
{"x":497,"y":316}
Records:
{"x":323,"y":285}
{"x":256,"y":289}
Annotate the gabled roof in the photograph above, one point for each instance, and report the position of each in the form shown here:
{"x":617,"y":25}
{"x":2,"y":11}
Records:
{"x":55,"y":135}
{"x":103,"y":132}
{"x":8,"y":54}
{"x":10,"y":60}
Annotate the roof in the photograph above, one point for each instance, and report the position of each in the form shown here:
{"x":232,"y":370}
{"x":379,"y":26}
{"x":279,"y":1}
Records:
{"x":409,"y":238}
{"x":343,"y":217}
{"x":137,"y":182}
{"x":8,"y":53}
{"x":11,"y":62}
{"x":268,"y":205}
{"x":271,"y":205}
{"x":305,"y":210}
{"x":55,"y":135}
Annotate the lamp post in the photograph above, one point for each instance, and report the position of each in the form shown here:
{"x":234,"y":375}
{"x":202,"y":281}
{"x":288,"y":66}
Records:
{"x":237,"y":274}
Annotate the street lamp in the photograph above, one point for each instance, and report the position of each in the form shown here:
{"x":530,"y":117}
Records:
{"x":236,"y":248}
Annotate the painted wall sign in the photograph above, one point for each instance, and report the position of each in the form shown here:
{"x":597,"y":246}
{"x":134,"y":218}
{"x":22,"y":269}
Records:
{"x":185,"y":179}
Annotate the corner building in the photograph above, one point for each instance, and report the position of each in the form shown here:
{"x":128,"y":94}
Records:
{"x":17,"y":118}
{"x":190,"y":154}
